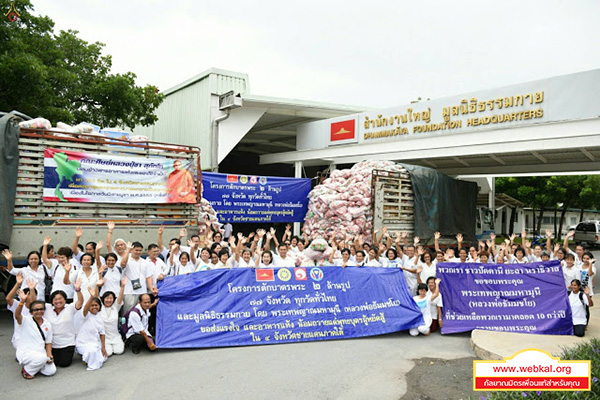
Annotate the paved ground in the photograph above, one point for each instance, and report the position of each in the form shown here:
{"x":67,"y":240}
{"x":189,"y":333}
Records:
{"x":367,"y":368}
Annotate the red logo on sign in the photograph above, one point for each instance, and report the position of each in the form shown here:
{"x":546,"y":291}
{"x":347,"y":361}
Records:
{"x":300,"y":274}
{"x":265,"y":275}
{"x":342,"y":130}
{"x":232,"y":178}
{"x":254,"y":179}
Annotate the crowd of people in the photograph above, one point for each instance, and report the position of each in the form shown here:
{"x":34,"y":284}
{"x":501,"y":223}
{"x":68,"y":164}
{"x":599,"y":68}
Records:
{"x":99,"y":298}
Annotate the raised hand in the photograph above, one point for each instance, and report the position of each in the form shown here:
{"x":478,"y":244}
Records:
{"x":102,"y":269}
{"x":99,"y":246}
{"x":92,"y":291}
{"x":272,"y":230}
{"x":288,"y":227}
{"x":129,"y":245}
{"x":570,"y":234}
{"x":493,"y":237}
{"x":124,"y":281}
{"x":78,"y":232}
{"x":416,"y":240}
{"x":269,"y":236}
{"x":261,"y":233}
{"x":46,"y":241}
{"x":100,"y":282}
{"x":161,"y":229}
{"x":7,"y":254}
{"x":437,"y":235}
{"x":182,"y":232}
{"x":548,"y":233}
{"x":404,"y":234}
{"x":420,"y":250}
{"x":77,"y":285}
{"x":556,"y":247}
{"x":110,"y":225}
{"x":20,"y":278}
{"x":512,"y":237}
{"x":459,"y":237}
{"x":31,"y":284}
{"x":22,"y":295}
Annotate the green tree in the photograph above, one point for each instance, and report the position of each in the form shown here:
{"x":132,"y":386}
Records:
{"x":64,"y":78}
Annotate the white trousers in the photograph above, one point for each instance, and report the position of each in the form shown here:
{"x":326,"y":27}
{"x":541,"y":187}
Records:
{"x":115,"y":347}
{"x":92,"y":355}
{"x":424,"y":329}
{"x":35,"y":361}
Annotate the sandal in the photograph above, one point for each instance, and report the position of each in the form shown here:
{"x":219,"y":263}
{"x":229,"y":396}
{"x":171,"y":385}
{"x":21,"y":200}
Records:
{"x":25,"y":375}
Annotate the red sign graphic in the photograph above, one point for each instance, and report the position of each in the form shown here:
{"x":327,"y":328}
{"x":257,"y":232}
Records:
{"x":265,"y":275}
{"x":342,"y":130}
{"x":300,"y":273}
{"x":232,"y":178}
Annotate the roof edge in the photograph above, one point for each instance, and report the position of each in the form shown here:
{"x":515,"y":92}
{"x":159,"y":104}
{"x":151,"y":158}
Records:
{"x":203,"y":75}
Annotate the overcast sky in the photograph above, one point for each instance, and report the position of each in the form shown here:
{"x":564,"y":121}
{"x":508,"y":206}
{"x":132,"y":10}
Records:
{"x":371,"y":53}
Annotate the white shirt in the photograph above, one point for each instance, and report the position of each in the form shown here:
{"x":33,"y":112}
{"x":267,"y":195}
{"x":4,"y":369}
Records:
{"x":577,"y":309}
{"x":91,"y":327}
{"x":136,"y":269}
{"x":283,"y":262}
{"x":156,"y":268}
{"x":58,"y":275}
{"x":30,"y":337}
{"x":37,"y":276}
{"x":17,"y":327}
{"x":570,"y":274}
{"x":110,"y":317}
{"x":424,"y":305}
{"x":373,"y":263}
{"x":86,"y":281}
{"x":338,"y":263}
{"x":244,"y":264}
{"x":186,"y":269}
{"x":63,"y":325}
{"x":203,"y":266}
{"x":138,"y":323}
{"x":112,"y":282}
{"x":428,"y":271}
{"x":397,"y":263}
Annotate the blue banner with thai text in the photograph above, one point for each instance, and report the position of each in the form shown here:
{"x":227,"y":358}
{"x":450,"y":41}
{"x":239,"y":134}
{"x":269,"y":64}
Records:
{"x":240,"y":307}
{"x":524,"y":298}
{"x":256,"y":199}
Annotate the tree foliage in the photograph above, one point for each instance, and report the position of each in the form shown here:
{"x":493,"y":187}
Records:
{"x":64,"y":78}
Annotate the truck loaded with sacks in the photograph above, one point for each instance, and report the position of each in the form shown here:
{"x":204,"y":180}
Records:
{"x":31,"y":210}
{"x":413,"y":199}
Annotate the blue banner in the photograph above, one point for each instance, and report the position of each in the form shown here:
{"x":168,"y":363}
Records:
{"x":525,"y":298}
{"x":255,"y":199}
{"x":239,"y":307}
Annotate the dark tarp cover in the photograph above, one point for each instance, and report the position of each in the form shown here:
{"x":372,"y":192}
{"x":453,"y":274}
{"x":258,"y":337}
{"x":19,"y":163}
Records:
{"x":442,"y":204}
{"x":9,"y":151}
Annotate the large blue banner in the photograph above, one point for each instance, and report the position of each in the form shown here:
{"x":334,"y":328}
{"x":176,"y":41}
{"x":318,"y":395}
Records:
{"x":238,"y":307}
{"x":253,"y":199}
{"x":525,"y":298}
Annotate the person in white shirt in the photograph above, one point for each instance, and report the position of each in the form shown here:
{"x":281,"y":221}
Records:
{"x":109,"y":313}
{"x":155,"y":266}
{"x":62,"y":317}
{"x":570,"y":271}
{"x":90,"y":247}
{"x":34,"y":349}
{"x":266,"y":259}
{"x":58,"y":269}
{"x":392,"y":260}
{"x":360,"y":258}
{"x":373,"y":258}
{"x":137,"y":334}
{"x":426,"y":268}
{"x":341,"y":262}
{"x":12,"y":305}
{"x":34,"y":271}
{"x":224,"y":260}
{"x":424,"y":303}
{"x":111,"y":272}
{"x":283,"y":259}
{"x":588,"y":271}
{"x":88,"y":274}
{"x":228,"y":230}
{"x":203,"y":263}
{"x":578,"y":302}
{"x":436,"y":305}
{"x":90,"y":341}
{"x":138,"y":277}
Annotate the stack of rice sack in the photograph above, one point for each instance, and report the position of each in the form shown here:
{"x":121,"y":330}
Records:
{"x":343,"y":202}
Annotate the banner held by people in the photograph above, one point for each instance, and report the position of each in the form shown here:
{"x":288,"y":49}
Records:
{"x":256,"y":199}
{"x":523,"y":298}
{"x":240,"y":307}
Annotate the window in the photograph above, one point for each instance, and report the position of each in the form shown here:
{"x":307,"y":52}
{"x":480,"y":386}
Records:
{"x":573,"y":221}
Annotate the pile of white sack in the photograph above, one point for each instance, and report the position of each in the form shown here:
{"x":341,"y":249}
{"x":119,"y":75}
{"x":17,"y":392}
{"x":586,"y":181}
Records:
{"x":343,"y":202}
{"x":206,"y":213}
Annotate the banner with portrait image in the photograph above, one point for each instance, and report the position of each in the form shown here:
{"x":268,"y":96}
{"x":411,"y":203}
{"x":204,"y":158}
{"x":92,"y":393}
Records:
{"x":71,"y":176}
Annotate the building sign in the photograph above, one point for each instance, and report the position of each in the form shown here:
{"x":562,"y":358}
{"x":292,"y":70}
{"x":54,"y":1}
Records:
{"x":563,"y":98}
{"x":343,"y":132}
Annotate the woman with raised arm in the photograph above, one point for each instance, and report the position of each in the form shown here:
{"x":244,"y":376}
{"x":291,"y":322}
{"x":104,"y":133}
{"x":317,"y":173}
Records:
{"x":90,"y":342}
{"x":265,"y":258}
{"x":203,"y":264}
{"x":113,"y":341}
{"x":425,"y":266}
{"x":12,"y":305}
{"x":61,"y":315}
{"x":580,"y":303}
{"x":87,"y":274}
{"x":63,"y":257}
{"x":242,"y":255}
{"x":424,"y":303}
{"x":110,"y":271}
{"x":34,"y":270}
{"x":34,"y":348}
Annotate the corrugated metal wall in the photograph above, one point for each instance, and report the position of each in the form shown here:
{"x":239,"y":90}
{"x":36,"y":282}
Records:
{"x":184,"y":116}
